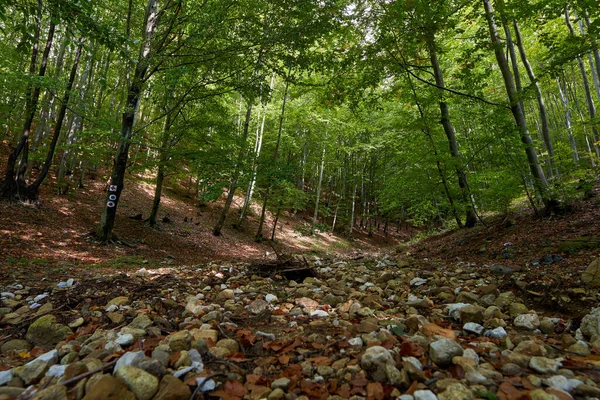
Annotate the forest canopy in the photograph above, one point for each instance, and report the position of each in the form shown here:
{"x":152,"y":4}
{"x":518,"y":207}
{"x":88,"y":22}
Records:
{"x":361,"y":112}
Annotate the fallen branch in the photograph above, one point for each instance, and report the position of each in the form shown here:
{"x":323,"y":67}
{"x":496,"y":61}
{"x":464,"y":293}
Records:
{"x":89,"y":373}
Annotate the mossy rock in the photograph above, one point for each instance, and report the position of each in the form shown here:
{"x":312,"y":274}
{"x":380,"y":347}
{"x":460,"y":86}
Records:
{"x":576,"y":244}
{"x":45,"y":331}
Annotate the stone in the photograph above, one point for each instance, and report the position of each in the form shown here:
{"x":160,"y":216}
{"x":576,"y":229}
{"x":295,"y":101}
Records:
{"x":276,"y":394}
{"x":591,"y":275}
{"x":180,"y":341}
{"x":473,"y":327}
{"x":116,"y":317}
{"x":515,"y":309}
{"x":590,"y":324}
{"x":108,"y":388}
{"x":544,"y":365}
{"x":210,"y":334}
{"x":471,"y":313}
{"x":496,"y":333}
{"x":424,"y":395}
{"x":55,"y":392}
{"x":511,"y":369}
{"x":16,"y":346}
{"x":257,"y":307}
{"x":547,"y":326}
{"x":142,"y":321}
{"x":124,"y":339}
{"x":118,"y":301}
{"x":527,"y":321}
{"x":378,"y":362}
{"x":131,"y":358}
{"x":171,"y":388}
{"x":5,"y":377}
{"x":531,"y":348}
{"x":505,"y":299}
{"x":442,"y":351}
{"x":227,"y":294}
{"x":138,"y":381}
{"x":45,"y":331}
{"x":11,"y":392}
{"x":281,"y":383}
{"x":32,"y":372}
{"x":456,"y":391}
{"x":229,"y":344}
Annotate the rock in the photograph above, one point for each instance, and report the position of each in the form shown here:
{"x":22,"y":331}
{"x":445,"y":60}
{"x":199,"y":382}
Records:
{"x":11,"y":392}
{"x":16,"y":346}
{"x":77,"y":323}
{"x":540,"y":394}
{"x":580,"y":348}
{"x":108,"y":388}
{"x":257,"y":307}
{"x":511,"y":369}
{"x":142,"y":321}
{"x":527,"y":321}
{"x":424,"y":395}
{"x":496,"y":333}
{"x":515,"y":309}
{"x":281,"y":383}
{"x":473,"y":328}
{"x":431,"y":330}
{"x":269,"y":298}
{"x":118,"y":301}
{"x":456,"y":391}
{"x":531,"y":348}
{"x":5,"y":377}
{"x":380,"y":365}
{"x":116,"y":317}
{"x":591,"y":275}
{"x":55,"y":392}
{"x":209,"y":334}
{"x":227,"y":294}
{"x":471,"y":313}
{"x":544,"y":365}
{"x":229,"y":344}
{"x":171,"y":388}
{"x":547,"y":326}
{"x":442,"y":351}
{"x":276,"y":394}
{"x":141,"y":383}
{"x":32,"y":372}
{"x":180,"y":341}
{"x":124,"y":340}
{"x":590,"y":324}
{"x":131,"y":358}
{"x":562,"y":383}
{"x":56,"y":371}
{"x":45,"y":331}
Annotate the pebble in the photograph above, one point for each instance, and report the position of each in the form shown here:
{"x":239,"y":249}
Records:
{"x":442,"y":351}
{"x":544,"y":365}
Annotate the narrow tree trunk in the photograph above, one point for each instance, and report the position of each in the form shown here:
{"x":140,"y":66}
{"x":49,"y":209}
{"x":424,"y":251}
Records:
{"x":11,"y":188}
{"x":163,"y":156}
{"x":586,"y":89}
{"x":540,"y":182}
{"x":471,"y":218}
{"x":236,"y":173}
{"x":540,"y":99}
{"x":33,"y":189}
{"x":109,"y":213}
{"x":565,"y":101}
{"x":318,"y":194}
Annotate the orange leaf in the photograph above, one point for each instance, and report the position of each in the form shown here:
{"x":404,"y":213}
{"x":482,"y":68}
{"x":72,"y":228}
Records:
{"x":374,"y":391}
{"x":284,"y":359}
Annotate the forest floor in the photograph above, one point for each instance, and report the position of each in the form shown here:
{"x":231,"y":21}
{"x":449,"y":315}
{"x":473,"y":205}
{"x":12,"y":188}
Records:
{"x":497,"y":312}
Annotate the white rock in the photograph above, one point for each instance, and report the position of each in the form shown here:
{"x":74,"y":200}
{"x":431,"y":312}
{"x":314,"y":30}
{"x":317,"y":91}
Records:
{"x":180,"y":373}
{"x":417,"y":281}
{"x":130,"y":358}
{"x":269,"y":336}
{"x":124,"y":339}
{"x":196,"y":360}
{"x":319,"y":313}
{"x":475,"y":377}
{"x":473,"y":327}
{"x":496,"y":333}
{"x":270,"y":298}
{"x":454,"y":309}
{"x":207,"y":386}
{"x":527,"y":321}
{"x":34,"y":306}
{"x":406,"y":397}
{"x":56,"y":371}
{"x":544,"y":365}
{"x":112,"y":308}
{"x":414,"y":361}
{"x":424,"y":395}
{"x":356,"y":342}
{"x":442,"y":351}
{"x":8,"y":295}
{"x":5,"y":377}
{"x":562,"y":383}
{"x":40,"y":297}
{"x":590,"y":324}
{"x":51,"y":357}
{"x":472,"y":354}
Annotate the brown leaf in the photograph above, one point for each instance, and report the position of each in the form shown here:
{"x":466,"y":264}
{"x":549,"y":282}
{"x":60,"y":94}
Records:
{"x":411,"y":349}
{"x":374,"y":391}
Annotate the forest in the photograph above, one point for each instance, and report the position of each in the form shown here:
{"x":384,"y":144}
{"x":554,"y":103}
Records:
{"x":299,"y":199}
{"x":365,"y":112}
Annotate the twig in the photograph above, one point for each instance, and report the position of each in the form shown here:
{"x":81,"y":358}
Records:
{"x":92,"y":372}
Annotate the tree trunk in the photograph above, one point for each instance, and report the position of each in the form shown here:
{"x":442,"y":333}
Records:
{"x":109,"y":213}
{"x":33,"y":189}
{"x":586,"y":89}
{"x":236,"y":173}
{"x":163,"y":157}
{"x":12,"y":188}
{"x":471,"y":218}
{"x":540,"y":182}
{"x":540,"y":99}
{"x":320,"y":181}
{"x":565,"y":102}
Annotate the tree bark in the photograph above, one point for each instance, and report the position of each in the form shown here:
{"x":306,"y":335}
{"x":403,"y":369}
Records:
{"x":471,"y":218}
{"x":163,"y":157}
{"x":540,"y":182}
{"x":107,"y":220}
